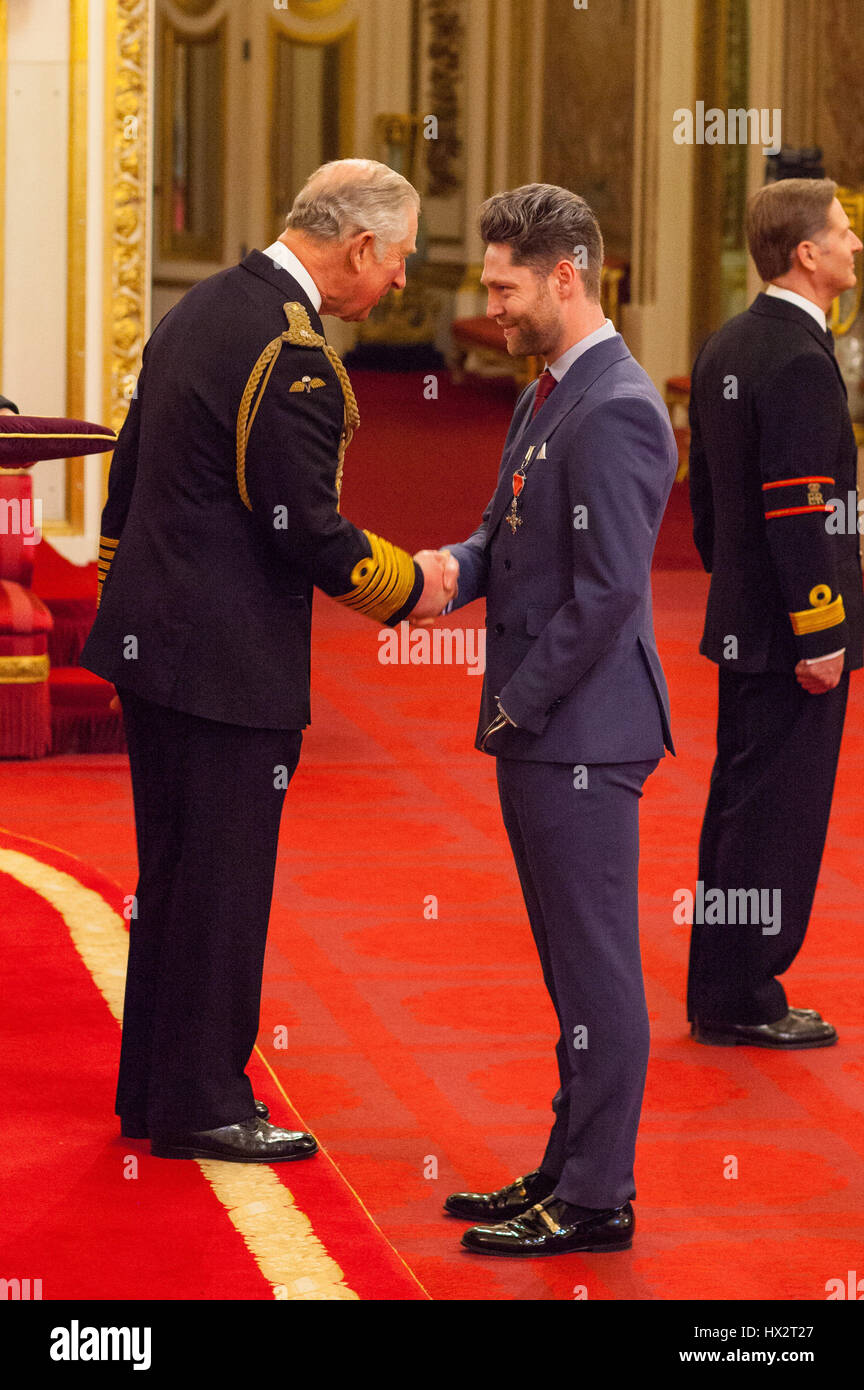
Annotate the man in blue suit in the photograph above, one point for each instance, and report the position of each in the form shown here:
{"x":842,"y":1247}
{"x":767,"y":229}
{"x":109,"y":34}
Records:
{"x":574,"y":705}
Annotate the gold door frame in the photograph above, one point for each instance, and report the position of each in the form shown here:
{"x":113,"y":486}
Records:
{"x":125,"y":305}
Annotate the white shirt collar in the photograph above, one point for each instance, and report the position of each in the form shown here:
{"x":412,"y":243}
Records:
{"x":778,"y":292}
{"x":283,"y":256}
{"x":563,"y":363}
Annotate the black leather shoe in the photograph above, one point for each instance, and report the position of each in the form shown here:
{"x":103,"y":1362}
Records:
{"x":554,"y":1227}
{"x":798,"y":1028}
{"x":491,"y":1207}
{"x":250,"y":1141}
{"x":135,"y":1127}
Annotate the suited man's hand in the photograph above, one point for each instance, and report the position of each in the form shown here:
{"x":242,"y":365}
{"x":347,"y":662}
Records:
{"x":441,"y":572}
{"x":817,"y":677}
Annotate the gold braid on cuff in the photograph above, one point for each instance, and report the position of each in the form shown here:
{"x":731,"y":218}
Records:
{"x":301,"y":333}
{"x":821,"y":614}
{"x":107,"y":551}
{"x":382,"y":582}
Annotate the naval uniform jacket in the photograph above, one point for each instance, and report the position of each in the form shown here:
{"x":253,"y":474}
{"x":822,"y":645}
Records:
{"x":208,"y":559}
{"x":771,"y":444}
{"x":570,"y":648}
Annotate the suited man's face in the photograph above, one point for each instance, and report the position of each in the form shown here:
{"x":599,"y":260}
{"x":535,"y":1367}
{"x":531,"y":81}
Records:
{"x":521,"y":301}
{"x":831,"y":253}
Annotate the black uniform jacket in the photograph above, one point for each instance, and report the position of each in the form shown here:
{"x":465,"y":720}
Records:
{"x":772,"y":444}
{"x":208,"y":556}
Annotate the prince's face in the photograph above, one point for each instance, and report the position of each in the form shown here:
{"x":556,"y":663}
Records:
{"x":521,"y":302}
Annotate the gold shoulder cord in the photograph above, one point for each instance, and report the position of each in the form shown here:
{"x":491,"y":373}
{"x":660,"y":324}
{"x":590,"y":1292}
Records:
{"x":301,"y":333}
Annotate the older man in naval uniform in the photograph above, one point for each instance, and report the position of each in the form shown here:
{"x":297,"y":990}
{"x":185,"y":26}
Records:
{"x":222,"y":514}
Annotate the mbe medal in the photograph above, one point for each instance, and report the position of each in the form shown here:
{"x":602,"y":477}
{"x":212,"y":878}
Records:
{"x":513,"y":517}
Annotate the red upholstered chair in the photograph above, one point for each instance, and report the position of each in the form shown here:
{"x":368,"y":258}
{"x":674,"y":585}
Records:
{"x":25,"y":622}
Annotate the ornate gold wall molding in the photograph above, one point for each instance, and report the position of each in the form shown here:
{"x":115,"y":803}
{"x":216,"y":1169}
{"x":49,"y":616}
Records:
{"x":126,"y":291}
{"x":446,"y":31}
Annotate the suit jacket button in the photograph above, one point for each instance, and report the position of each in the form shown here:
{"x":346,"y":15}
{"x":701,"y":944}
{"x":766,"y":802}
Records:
{"x":507,"y":564}
{"x":499,"y":628}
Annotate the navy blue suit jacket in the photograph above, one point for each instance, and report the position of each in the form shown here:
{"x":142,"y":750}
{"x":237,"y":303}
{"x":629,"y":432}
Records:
{"x":570,"y":639}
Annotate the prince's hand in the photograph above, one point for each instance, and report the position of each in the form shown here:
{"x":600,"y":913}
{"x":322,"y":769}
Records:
{"x":441,"y":572}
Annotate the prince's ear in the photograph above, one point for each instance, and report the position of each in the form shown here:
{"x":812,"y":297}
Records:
{"x":28,"y":439}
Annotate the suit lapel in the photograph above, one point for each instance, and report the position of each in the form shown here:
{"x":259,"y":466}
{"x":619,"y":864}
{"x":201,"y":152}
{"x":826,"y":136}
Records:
{"x":532,"y":434}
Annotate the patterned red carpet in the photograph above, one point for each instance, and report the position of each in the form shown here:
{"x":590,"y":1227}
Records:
{"x":404,"y":1016}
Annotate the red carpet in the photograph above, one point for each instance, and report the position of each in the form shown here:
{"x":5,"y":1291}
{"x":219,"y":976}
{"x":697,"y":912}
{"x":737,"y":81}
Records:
{"x":402,"y":976}
{"x":419,"y":1046}
{"x":94,"y":1216}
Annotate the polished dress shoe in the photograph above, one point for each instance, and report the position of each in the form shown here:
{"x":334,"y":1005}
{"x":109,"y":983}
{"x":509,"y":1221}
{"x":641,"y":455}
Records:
{"x":554,"y":1227}
{"x":250,"y":1141}
{"x":491,"y":1207}
{"x":135,"y":1127}
{"x":798,"y":1028}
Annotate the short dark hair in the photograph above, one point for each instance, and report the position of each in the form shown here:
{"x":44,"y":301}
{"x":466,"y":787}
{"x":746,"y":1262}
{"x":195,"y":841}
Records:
{"x":544,"y":224}
{"x":783,"y":214}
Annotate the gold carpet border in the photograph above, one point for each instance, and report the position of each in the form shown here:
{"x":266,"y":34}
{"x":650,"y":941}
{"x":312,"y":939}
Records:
{"x":277,"y":1234}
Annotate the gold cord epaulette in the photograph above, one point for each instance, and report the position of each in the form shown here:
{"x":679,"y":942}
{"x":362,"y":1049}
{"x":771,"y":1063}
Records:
{"x":382,"y":582}
{"x":300,"y":333}
{"x":107,"y":551}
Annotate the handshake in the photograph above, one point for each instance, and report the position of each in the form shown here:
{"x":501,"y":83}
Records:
{"x":441,"y":573}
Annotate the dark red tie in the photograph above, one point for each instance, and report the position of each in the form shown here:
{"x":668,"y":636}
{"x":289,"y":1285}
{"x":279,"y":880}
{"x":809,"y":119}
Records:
{"x":545,"y":386}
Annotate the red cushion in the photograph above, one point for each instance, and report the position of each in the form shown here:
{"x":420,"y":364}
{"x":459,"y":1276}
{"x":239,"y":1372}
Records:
{"x":74,"y":688}
{"x":26,"y":439}
{"x":22,"y":614}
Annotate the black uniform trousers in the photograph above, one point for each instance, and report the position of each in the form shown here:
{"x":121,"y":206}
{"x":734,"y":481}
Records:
{"x":577,"y":855}
{"x":208,"y":800}
{"x":764,"y":828}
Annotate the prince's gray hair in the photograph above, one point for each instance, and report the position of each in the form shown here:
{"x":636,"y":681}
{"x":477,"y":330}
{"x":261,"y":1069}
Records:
{"x":348,"y":196}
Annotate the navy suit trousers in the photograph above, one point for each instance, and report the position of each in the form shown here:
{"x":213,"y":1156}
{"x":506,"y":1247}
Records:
{"x":208,"y":801}
{"x":577,"y":853}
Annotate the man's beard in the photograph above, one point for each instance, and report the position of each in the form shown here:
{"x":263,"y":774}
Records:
{"x":535,"y":337}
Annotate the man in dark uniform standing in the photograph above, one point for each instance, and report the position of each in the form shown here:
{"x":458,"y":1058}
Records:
{"x":771,"y":444}
{"x":222,"y":514}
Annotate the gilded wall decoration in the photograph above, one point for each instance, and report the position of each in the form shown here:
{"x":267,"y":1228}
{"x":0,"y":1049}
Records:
{"x":126,"y":289}
{"x":446,"y":33}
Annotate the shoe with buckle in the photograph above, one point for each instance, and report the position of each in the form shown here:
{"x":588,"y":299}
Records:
{"x":250,"y":1141}
{"x":493,"y":1207}
{"x":797,"y":1029}
{"x":136,"y":1127}
{"x":553,"y":1227}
